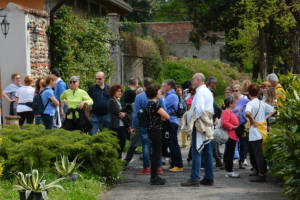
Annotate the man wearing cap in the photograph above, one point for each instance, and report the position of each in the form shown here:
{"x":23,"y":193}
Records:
{"x":280,"y":93}
{"x":99,"y":94}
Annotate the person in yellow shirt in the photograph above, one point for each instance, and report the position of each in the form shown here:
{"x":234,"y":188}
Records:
{"x":280,"y":93}
{"x":75,"y":99}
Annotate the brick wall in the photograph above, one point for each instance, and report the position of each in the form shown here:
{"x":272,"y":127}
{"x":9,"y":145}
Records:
{"x":39,"y":59}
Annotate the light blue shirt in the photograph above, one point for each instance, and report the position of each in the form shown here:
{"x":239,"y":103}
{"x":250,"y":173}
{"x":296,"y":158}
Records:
{"x":46,"y":95}
{"x":60,"y":87}
{"x":171,"y":103}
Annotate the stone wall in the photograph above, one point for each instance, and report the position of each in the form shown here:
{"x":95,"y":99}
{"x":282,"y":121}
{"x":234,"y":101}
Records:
{"x":39,"y":59}
{"x":176,"y":36}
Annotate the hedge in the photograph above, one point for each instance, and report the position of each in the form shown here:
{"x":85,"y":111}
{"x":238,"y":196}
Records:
{"x":283,"y":142}
{"x":34,"y":147}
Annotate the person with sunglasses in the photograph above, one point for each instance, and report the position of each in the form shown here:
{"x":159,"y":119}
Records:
{"x":75,"y":99}
{"x":241,"y":103}
{"x":100,"y":95}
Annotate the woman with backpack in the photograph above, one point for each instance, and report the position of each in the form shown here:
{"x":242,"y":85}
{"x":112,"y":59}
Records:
{"x":24,"y":99}
{"x":76,"y":99}
{"x":49,"y":102}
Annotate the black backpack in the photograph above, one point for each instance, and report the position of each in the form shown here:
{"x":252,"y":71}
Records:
{"x":181,"y":109}
{"x":38,"y":106}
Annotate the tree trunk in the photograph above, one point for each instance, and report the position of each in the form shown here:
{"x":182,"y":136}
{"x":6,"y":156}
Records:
{"x":263,"y":64}
{"x":295,"y":42}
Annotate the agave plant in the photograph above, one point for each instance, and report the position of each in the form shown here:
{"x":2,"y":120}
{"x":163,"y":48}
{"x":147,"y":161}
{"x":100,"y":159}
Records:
{"x":34,"y":183}
{"x":66,"y":168}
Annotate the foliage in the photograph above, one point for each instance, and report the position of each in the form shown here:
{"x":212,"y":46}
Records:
{"x":34,"y":147}
{"x":1,"y":164}
{"x":178,"y":72}
{"x":64,"y":167}
{"x":34,"y":183}
{"x":142,"y":11}
{"x":87,"y":187}
{"x":283,"y":142}
{"x":165,"y":11}
{"x":81,"y":45}
{"x":161,"y":44}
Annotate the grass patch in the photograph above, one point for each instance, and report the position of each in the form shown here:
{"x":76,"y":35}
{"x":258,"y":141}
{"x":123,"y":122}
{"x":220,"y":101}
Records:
{"x":87,"y":187}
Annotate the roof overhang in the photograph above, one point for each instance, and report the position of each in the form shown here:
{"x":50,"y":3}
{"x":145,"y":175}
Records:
{"x":118,"y":6}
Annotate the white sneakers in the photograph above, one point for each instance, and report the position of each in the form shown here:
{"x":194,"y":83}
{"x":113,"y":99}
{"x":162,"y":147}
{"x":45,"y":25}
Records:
{"x":232,"y":175}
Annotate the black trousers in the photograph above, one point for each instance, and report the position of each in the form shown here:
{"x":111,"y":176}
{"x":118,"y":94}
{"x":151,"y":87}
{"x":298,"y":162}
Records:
{"x":122,"y":134}
{"x":258,"y":159}
{"x":176,"y":157}
{"x":156,"y":145}
{"x":28,"y":116}
{"x":228,"y":154}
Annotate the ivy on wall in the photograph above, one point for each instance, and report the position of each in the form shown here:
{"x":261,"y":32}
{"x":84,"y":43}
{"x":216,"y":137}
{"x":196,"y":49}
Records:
{"x":81,"y":46}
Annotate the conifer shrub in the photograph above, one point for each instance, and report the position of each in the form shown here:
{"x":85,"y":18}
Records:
{"x":34,"y":147}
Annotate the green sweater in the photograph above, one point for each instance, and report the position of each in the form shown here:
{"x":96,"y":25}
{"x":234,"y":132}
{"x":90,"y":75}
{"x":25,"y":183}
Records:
{"x":74,"y":98}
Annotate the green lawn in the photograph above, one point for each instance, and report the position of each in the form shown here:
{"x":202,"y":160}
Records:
{"x":87,"y":187}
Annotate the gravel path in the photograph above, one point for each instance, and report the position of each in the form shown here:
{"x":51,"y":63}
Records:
{"x":137,"y":187}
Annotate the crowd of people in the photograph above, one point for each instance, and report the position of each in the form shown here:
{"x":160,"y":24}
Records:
{"x":152,"y":116}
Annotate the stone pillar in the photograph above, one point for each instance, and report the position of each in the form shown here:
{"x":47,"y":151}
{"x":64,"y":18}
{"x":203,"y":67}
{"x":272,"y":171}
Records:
{"x":117,"y":73}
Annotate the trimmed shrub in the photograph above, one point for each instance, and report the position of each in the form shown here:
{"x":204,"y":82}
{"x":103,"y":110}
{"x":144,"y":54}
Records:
{"x":34,"y":147}
{"x":283,"y":142}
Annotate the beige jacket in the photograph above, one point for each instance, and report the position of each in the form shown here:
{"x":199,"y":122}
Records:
{"x":203,"y":124}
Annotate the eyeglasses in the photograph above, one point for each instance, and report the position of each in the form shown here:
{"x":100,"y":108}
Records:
{"x":235,"y":90}
{"x":73,"y":82}
{"x":98,"y":79}
{"x":18,"y":78}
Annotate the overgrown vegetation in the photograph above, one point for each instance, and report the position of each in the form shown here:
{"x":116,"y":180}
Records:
{"x":34,"y":147}
{"x":283,"y":142}
{"x":81,"y":46}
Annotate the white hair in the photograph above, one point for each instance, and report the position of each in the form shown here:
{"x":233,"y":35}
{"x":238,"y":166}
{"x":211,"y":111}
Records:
{"x":200,"y":76}
{"x":272,"y":77}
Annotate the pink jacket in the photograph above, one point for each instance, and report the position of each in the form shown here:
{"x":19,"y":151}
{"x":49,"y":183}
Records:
{"x":229,"y":120}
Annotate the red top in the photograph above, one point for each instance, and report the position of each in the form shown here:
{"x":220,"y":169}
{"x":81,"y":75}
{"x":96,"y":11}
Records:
{"x":229,"y":120}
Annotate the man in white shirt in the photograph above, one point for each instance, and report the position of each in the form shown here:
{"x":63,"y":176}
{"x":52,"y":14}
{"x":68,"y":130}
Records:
{"x":203,"y":101}
{"x":256,"y":113}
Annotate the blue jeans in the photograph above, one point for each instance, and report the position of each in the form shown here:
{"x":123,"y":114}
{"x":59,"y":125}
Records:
{"x":207,"y":156}
{"x":99,"y":122}
{"x":38,"y":120}
{"x":48,"y":121}
{"x":142,"y":132}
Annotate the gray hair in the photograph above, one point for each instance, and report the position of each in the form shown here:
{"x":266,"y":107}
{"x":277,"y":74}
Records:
{"x":200,"y":76}
{"x":272,"y":77}
{"x":75,"y":78}
{"x":171,"y":83}
{"x":212,"y":79}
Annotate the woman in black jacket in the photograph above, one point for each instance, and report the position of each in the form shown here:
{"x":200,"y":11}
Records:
{"x":116,"y":115}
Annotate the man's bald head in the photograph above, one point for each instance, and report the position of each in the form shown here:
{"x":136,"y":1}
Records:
{"x":100,"y":78}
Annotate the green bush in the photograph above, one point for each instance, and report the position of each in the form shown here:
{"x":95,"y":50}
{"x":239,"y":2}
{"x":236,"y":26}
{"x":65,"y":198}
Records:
{"x":283,"y":142}
{"x":35,"y":147}
{"x":178,"y":72}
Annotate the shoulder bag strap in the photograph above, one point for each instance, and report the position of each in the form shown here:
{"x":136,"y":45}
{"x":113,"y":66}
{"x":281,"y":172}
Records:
{"x":257,"y":110}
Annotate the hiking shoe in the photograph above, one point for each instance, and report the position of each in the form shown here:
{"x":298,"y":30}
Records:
{"x":258,"y":179}
{"x":207,"y":182}
{"x":232,"y":175}
{"x":176,"y":169}
{"x":157,"y":181}
{"x":160,"y":171}
{"x":145,"y":171}
{"x":190,"y":183}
